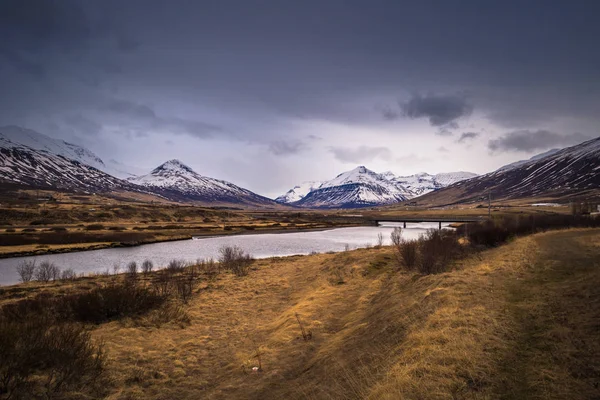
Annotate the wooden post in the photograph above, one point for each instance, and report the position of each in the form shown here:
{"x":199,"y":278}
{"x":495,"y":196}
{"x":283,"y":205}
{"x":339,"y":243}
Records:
{"x":404,"y":224}
{"x":440,"y":225}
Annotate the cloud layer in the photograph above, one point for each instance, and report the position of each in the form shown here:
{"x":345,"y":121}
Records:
{"x":236,"y":88}
{"x":528,"y":141}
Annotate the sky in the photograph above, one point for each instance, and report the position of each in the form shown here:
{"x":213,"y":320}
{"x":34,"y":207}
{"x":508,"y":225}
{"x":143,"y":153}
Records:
{"x":267,"y":94}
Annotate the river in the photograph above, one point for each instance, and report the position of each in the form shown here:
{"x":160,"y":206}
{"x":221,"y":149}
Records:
{"x":258,"y":245}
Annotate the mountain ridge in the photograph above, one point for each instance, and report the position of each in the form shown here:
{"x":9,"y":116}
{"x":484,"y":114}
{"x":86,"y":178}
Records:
{"x":361,"y":187}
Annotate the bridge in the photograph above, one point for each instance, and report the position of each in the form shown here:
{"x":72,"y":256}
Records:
{"x":440,"y":220}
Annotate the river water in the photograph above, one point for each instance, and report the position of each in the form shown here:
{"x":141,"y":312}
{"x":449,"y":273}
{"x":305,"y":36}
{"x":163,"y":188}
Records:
{"x":258,"y":245}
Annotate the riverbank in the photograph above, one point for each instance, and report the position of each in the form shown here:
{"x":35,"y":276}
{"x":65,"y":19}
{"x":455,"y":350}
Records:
{"x":139,"y":239}
{"x":515,"y":321}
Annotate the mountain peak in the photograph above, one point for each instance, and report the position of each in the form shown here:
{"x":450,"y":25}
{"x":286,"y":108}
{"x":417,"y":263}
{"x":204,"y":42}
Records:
{"x":173,"y":165}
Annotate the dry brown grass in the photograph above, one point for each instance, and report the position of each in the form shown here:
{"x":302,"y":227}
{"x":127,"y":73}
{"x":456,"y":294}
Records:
{"x":518,"y":321}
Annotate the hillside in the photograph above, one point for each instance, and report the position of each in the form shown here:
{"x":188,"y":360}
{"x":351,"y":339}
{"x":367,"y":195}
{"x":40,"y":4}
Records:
{"x":560,"y":175}
{"x":39,"y":168}
{"x":483,"y":330}
{"x":15,"y":136}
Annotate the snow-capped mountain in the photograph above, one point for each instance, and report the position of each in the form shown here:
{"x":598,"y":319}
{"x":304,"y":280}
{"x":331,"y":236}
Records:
{"x":362,"y":187}
{"x":298,"y":192}
{"x":359,"y":187}
{"x":572,"y":171}
{"x":40,"y":168}
{"x":15,"y":136}
{"x":174,"y":179}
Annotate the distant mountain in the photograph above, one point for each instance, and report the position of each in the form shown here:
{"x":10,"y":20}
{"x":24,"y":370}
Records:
{"x":39,"y":168}
{"x":14,"y":136}
{"x":362,"y":187}
{"x":298,"y":192}
{"x":562,"y":174}
{"x":175,"y":180}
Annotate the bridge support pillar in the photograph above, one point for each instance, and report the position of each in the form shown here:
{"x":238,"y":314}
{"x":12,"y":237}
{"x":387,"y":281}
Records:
{"x":440,"y":225}
{"x":404,"y":224}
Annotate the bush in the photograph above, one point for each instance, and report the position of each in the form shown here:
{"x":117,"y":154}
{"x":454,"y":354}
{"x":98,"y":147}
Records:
{"x":396,"y":236}
{"x":132,"y":269}
{"x":185,"y":284}
{"x":175,"y":266}
{"x":68,"y":275}
{"x":58,"y":229}
{"x":111,"y":302}
{"x":26,"y":270}
{"x":408,"y":252}
{"x":47,"y":272}
{"x":40,"y":356}
{"x":234,"y":259}
{"x":147,"y":266}
{"x":437,"y":249}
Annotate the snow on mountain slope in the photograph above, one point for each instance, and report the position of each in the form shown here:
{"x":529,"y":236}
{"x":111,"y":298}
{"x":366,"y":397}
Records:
{"x":14,"y":136}
{"x":359,"y":187}
{"x":572,"y":171}
{"x":40,"y":168}
{"x":173,"y":178}
{"x":362,"y":187}
{"x":298,"y":192}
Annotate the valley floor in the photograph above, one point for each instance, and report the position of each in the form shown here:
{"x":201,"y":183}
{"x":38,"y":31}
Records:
{"x":518,"y":321}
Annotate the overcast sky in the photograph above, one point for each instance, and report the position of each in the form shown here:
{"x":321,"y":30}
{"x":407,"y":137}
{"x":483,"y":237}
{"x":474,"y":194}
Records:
{"x":267,"y":94}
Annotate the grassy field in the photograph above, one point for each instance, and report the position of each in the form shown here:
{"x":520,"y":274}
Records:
{"x":518,"y":321}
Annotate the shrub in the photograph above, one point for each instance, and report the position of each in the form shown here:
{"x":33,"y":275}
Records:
{"x":26,"y":270}
{"x":40,"y":356}
{"x":175,"y":266}
{"x":147,"y":266}
{"x":132,"y":269}
{"x":47,"y":272}
{"x":111,"y":302}
{"x":68,"y":275}
{"x":234,"y":259}
{"x":9,"y":230}
{"x":408,"y":252}
{"x":437,"y":249}
{"x":379,"y":239}
{"x":396,"y":236}
{"x":58,"y":229}
{"x":185,"y":283}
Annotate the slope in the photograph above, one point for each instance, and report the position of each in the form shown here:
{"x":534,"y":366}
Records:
{"x":566,"y":174}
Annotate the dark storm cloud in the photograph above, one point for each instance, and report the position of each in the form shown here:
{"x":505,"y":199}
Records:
{"x":467,"y":136}
{"x":145,"y":118}
{"x":528,"y":141}
{"x":439,"y":109}
{"x":241,"y":70}
{"x":360,"y":154}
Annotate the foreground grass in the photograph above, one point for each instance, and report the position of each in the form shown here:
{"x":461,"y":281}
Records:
{"x":518,"y":321}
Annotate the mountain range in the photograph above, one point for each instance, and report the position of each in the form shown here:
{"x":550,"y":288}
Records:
{"x":362,"y":187}
{"x":36,"y":160}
